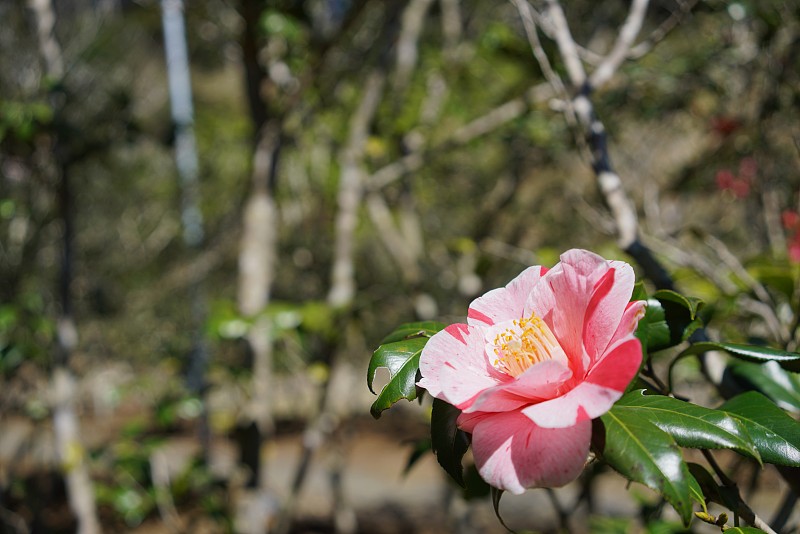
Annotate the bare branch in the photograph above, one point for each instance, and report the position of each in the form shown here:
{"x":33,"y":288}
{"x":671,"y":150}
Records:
{"x":413,"y":20}
{"x":490,"y":121}
{"x":393,"y":239}
{"x":350,"y":192}
{"x":566,"y":44}
{"x":627,"y":34}
{"x":644,"y":47}
{"x":451,"y":25}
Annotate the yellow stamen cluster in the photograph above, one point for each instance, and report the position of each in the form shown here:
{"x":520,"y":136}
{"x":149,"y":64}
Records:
{"x":529,"y":341}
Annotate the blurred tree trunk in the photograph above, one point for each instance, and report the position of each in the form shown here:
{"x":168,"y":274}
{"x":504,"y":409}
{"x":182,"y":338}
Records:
{"x":257,"y":257}
{"x":180,"y":91}
{"x":66,"y":426}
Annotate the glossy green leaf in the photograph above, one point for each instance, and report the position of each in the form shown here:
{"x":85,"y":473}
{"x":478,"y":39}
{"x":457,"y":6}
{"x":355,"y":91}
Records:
{"x":644,"y":453}
{"x":691,"y":304}
{"x":447,"y":440}
{"x":696,"y":492}
{"x":750,"y":353}
{"x":705,"y":480}
{"x":653,"y":330}
{"x":401,"y":358}
{"x":412,"y":330}
{"x":688,"y":424}
{"x":775,"y":434}
{"x":674,"y":318}
{"x":782,"y":386}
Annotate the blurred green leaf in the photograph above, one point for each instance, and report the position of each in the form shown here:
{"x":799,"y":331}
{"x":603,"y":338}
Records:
{"x":644,"y":453}
{"x":421,"y":448}
{"x":688,"y":424}
{"x":401,"y":358}
{"x":639,"y":292}
{"x":775,"y":434}
{"x":447,"y":440}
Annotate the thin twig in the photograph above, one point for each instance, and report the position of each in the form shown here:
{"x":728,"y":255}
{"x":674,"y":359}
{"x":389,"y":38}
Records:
{"x":621,"y":49}
{"x":658,"y":35}
{"x":741,"y":508}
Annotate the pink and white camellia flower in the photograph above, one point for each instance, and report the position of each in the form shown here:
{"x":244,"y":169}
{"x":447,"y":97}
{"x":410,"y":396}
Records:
{"x":535,"y":363}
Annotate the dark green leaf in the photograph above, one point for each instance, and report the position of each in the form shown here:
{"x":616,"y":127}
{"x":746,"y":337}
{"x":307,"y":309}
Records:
{"x":411,"y":330}
{"x":447,"y":440}
{"x":775,"y":434}
{"x":750,"y":353}
{"x":688,"y":424}
{"x":708,"y":486}
{"x":696,"y":492}
{"x":691,"y":304}
{"x":644,"y":453}
{"x":744,"y":530}
{"x":772,"y":380}
{"x":496,"y":495}
{"x":401,"y":358}
{"x":474,"y":485}
{"x":421,"y":448}
{"x":680,"y":314}
{"x":653,"y":330}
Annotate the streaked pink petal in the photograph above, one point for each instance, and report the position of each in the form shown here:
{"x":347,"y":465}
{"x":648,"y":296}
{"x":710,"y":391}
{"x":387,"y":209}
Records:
{"x":593,"y":397}
{"x":504,"y":303}
{"x":584,"y":402}
{"x":514,"y":454}
{"x":454,"y":367}
{"x":542,"y":381}
{"x":618,"y":366}
{"x":630,"y":320}
{"x":606,"y":306}
{"x":467,"y":421}
{"x":562,"y":297}
{"x":582,"y":299}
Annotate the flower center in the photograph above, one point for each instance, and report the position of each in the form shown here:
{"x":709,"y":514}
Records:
{"x":521,"y":343}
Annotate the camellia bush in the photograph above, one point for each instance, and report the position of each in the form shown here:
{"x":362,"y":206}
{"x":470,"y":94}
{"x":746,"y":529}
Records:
{"x":554,"y":372}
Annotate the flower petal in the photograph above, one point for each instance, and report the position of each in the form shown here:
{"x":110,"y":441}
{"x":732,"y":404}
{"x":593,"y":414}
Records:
{"x":606,"y":306}
{"x":628,"y":323}
{"x":582,"y":295}
{"x":538,"y":383}
{"x":504,"y":303}
{"x":593,"y":397}
{"x":514,"y":454}
{"x":454,"y":367}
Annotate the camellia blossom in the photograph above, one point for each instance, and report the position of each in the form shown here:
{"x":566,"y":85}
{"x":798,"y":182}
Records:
{"x":536,"y":361}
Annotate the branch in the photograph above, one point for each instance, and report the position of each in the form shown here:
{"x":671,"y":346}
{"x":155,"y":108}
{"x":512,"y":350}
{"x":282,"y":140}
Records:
{"x":413,"y":20}
{"x":484,"y":124}
{"x":566,"y":44}
{"x":620,"y":52}
{"x":644,"y":47}
{"x":342,"y":288}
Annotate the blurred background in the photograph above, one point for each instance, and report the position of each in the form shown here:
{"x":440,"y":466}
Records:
{"x":210,"y":215}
